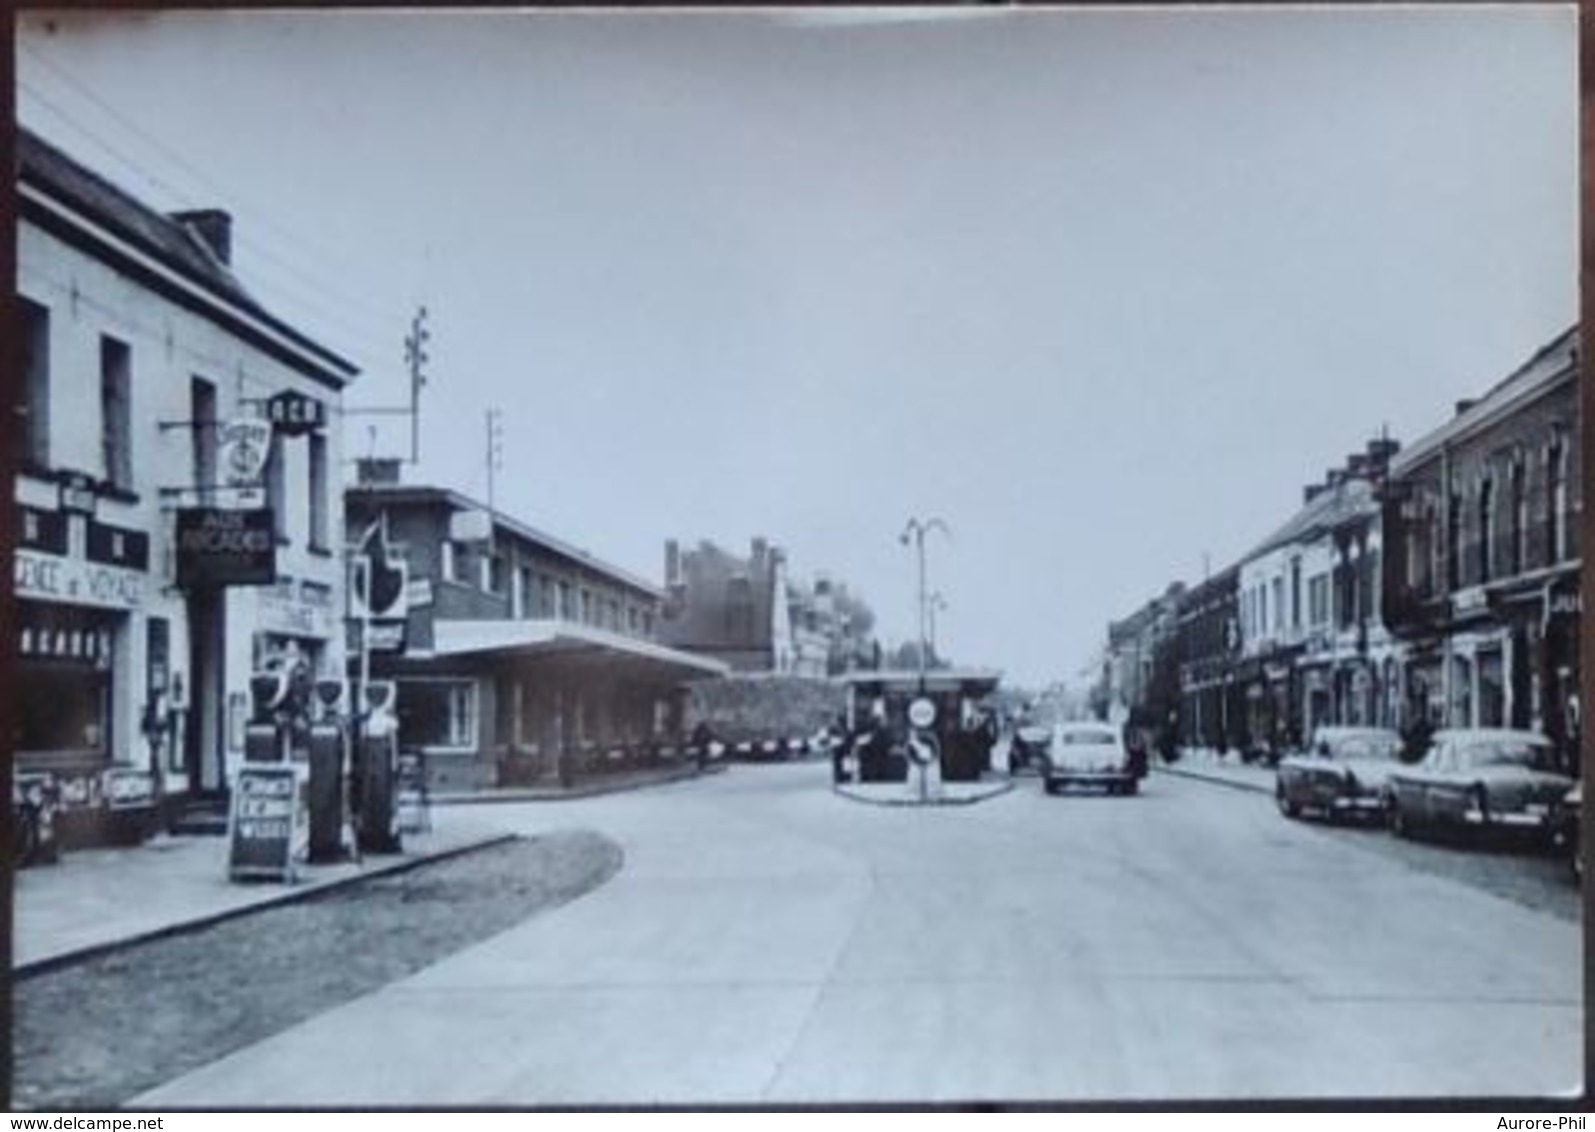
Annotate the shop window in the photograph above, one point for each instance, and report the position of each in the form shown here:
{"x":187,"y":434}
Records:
{"x":33,"y":408}
{"x":116,"y":412}
{"x":1519,"y":530}
{"x":587,"y":611}
{"x":1453,"y":542}
{"x":438,"y":714}
{"x":277,"y":487}
{"x":1295,"y":593}
{"x":320,"y":504}
{"x":525,"y":592}
{"x":567,"y":601}
{"x":202,"y":412}
{"x":1318,"y":600}
{"x":1556,"y":501}
{"x":62,"y":708}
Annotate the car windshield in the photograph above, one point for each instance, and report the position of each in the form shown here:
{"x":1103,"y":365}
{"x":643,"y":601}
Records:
{"x":1089,"y":739}
{"x":1362,"y":747}
{"x":1510,"y":752}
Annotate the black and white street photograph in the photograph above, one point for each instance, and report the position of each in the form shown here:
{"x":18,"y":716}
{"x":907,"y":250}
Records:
{"x":972,"y":556}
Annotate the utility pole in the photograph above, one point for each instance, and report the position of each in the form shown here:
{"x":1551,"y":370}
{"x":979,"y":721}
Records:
{"x":415,"y":354}
{"x":495,"y":453}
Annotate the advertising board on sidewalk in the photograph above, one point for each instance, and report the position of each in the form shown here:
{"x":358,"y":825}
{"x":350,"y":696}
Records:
{"x":269,"y":823}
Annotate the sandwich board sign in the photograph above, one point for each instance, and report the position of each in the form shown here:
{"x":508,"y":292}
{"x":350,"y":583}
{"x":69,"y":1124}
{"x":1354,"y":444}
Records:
{"x":267,"y":823}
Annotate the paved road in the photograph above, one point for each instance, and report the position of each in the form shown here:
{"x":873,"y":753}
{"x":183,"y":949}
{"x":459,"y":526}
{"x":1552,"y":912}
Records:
{"x":769,"y":942}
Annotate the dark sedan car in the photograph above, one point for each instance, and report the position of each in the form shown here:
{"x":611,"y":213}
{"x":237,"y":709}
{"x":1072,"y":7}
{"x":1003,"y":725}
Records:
{"x":1344,"y":771}
{"x":1481,"y":779}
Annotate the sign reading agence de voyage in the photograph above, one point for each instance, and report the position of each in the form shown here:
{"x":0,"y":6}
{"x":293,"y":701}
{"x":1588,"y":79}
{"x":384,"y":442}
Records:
{"x":224,"y":547}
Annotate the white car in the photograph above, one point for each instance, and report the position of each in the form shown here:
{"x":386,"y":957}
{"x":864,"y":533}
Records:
{"x":1344,"y":771}
{"x":1090,"y":754}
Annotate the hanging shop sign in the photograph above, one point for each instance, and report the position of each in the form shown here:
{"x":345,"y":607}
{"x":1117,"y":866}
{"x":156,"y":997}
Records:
{"x":267,"y":818}
{"x":292,"y":413}
{"x":379,"y":591}
{"x":224,"y":547}
{"x":126,"y":788}
{"x":243,"y":447}
{"x":49,"y":577}
{"x":296,"y":609}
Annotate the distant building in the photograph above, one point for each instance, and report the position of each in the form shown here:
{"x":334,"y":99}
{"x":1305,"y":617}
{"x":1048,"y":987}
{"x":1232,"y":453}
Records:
{"x":1482,"y":572}
{"x":521,"y":657}
{"x":754,"y":615}
{"x":1212,"y":712}
{"x":1313,"y":650}
{"x":149,"y":586}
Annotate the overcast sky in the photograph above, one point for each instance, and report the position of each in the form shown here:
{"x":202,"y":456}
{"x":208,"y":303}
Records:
{"x":1100,"y":289}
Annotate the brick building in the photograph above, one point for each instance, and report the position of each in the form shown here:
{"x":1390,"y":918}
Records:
{"x":521,"y":657}
{"x":1482,"y":566}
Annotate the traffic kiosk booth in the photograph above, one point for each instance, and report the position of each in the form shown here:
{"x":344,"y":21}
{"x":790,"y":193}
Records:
{"x":879,"y":710}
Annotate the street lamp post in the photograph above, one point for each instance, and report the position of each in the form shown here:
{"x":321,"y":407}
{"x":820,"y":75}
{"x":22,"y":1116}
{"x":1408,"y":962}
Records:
{"x":933,"y":603}
{"x":916,"y":529}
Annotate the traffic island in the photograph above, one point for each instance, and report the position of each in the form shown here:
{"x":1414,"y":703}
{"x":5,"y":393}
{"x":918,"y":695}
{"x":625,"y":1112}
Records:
{"x":907,"y":793}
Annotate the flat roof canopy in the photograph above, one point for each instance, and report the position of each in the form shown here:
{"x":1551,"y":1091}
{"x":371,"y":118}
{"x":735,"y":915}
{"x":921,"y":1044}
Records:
{"x":567,"y":641}
{"x":970,"y":681}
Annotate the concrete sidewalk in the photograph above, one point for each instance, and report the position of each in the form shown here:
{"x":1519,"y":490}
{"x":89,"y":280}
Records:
{"x":1225,"y":770}
{"x":94,"y":899}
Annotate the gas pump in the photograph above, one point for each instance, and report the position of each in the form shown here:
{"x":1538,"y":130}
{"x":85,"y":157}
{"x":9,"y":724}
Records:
{"x":377,"y":770}
{"x":265,"y":738}
{"x":328,"y":743}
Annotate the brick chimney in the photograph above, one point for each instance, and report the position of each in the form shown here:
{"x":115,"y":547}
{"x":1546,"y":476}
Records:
{"x":1311,"y":492}
{"x":214,"y":229}
{"x":672,"y":562}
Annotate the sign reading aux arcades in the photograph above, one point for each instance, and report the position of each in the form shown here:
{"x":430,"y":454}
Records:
{"x":225,"y":547}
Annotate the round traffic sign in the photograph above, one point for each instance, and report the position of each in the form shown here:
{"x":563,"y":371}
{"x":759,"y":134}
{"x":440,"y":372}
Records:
{"x":922,"y":712}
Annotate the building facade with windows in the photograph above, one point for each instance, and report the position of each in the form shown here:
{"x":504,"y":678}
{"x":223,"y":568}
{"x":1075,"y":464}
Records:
{"x":520,"y":658}
{"x":1313,"y":649}
{"x":1207,"y":637}
{"x":754,"y":615}
{"x":174,"y":528}
{"x":1483,"y":571}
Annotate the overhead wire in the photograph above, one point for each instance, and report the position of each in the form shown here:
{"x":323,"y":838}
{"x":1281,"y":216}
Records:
{"x":315,"y":248}
{"x":316,"y":308}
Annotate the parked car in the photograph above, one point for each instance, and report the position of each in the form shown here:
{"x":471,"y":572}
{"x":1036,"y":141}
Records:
{"x":1091,"y":754}
{"x":1028,"y":748}
{"x":1343,"y":771}
{"x":1478,"y":779}
{"x":1565,"y":818}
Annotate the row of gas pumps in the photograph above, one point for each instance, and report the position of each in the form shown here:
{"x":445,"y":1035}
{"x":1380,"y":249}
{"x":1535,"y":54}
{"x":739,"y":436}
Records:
{"x":348,"y":741}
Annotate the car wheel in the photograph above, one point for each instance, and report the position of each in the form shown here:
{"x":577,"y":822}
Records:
{"x":1049,"y":786}
{"x":1286,"y":806}
{"x":1131,"y":786}
{"x":1396,"y":818}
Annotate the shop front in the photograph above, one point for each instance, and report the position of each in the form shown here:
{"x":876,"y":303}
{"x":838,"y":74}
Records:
{"x":79,"y":750}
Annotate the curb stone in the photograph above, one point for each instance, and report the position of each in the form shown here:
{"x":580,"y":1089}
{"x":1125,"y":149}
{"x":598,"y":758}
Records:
{"x":290,"y":894}
{"x":1218,"y":780}
{"x":968,"y":800}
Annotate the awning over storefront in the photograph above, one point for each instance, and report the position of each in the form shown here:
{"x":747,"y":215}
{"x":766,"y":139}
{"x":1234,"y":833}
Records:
{"x":579,"y":646}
